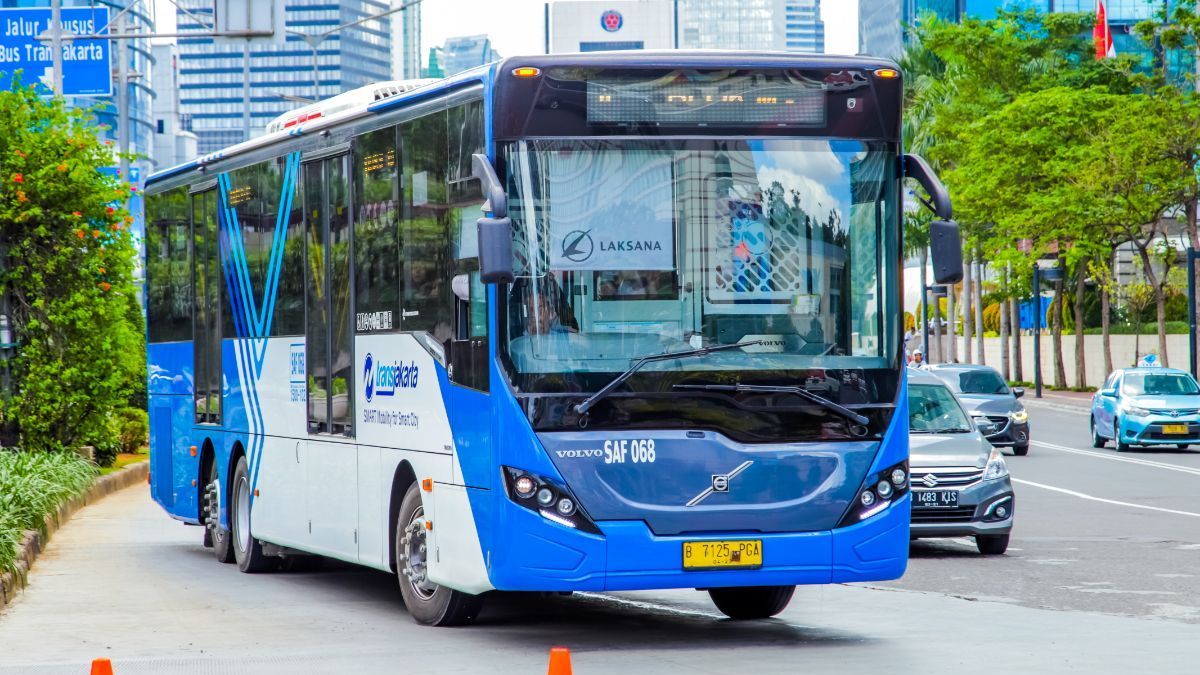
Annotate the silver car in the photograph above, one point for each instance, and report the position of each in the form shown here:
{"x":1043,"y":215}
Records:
{"x":960,"y":483}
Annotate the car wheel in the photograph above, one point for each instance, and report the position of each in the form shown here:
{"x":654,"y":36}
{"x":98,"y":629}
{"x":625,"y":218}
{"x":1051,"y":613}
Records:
{"x":1021,"y":450}
{"x":1122,"y":446}
{"x":214,"y":534}
{"x":752,"y":602}
{"x":1098,"y":441}
{"x":246,"y":549}
{"x":427,"y":602}
{"x":991,"y":544}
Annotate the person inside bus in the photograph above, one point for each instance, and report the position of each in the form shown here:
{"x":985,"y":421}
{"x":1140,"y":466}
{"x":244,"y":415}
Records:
{"x":542,"y":307}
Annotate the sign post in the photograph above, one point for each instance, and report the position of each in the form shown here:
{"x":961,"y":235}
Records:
{"x":80,"y":67}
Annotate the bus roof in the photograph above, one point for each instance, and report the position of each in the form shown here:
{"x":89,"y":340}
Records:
{"x":369,"y":105}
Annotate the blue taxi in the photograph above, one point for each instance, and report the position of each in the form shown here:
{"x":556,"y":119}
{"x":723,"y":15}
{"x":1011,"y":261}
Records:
{"x":1146,"y":406}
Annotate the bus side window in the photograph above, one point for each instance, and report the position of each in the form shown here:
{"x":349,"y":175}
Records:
{"x":426,"y":302}
{"x":469,"y":350}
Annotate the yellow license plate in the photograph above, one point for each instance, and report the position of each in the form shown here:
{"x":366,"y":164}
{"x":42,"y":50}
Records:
{"x":707,"y":555}
{"x":1175,"y":429}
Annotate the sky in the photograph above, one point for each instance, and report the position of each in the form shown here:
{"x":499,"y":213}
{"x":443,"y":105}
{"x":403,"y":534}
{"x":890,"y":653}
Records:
{"x":516,"y":26}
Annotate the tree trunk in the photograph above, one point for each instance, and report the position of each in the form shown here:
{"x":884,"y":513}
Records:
{"x":1015,"y":315}
{"x":978,"y":301}
{"x":1160,"y":303}
{"x":1080,"y":288}
{"x":1056,"y":326}
{"x":966,"y":312}
{"x":1004,"y":372}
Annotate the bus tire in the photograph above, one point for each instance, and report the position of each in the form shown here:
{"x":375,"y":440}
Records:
{"x":427,"y":602}
{"x":246,"y":549}
{"x":751,"y":602}
{"x":212,"y":516}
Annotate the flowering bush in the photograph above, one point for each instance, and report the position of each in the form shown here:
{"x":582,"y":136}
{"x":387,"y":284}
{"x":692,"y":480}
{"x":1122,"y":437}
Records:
{"x":66,"y":266}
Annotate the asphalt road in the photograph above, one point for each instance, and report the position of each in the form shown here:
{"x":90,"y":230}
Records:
{"x":1102,"y":577}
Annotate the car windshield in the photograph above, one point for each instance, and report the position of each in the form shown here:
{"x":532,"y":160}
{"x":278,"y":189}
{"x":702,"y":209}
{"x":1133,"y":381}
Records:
{"x":1159,"y":384}
{"x":627,"y":248}
{"x":981,"y":382}
{"x":933,"y":409}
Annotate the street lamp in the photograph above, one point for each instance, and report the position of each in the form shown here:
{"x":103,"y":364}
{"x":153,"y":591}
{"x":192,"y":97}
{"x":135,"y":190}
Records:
{"x":315,"y":39}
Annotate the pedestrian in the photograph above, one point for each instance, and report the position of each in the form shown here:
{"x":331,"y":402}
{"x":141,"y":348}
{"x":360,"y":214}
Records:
{"x":918,"y":361}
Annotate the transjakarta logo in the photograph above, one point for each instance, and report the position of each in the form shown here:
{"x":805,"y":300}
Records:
{"x":611,"y":21}
{"x":384,"y":379}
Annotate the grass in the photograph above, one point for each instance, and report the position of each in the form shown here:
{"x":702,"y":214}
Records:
{"x":125,"y":459}
{"x":32,"y":485}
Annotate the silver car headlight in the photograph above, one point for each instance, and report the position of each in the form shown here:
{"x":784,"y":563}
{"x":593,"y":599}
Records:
{"x":996,"y":467}
{"x":1020,"y":416}
{"x":1134,"y":411}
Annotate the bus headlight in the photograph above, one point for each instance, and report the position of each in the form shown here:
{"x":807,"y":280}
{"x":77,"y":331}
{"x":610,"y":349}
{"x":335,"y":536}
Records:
{"x":879,"y":491}
{"x":552,"y":501}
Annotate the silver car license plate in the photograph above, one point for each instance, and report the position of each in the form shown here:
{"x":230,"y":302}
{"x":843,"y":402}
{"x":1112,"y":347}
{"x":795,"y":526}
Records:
{"x":935,"y":499}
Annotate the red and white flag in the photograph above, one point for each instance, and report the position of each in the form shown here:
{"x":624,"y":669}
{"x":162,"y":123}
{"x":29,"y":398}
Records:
{"x":1105,"y":49}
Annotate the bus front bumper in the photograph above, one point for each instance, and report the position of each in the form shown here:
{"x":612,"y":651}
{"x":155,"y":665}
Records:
{"x":539,"y":555}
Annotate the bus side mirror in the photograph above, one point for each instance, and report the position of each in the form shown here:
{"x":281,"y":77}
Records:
{"x":495,"y":250}
{"x":493,"y":189}
{"x":945,"y":252}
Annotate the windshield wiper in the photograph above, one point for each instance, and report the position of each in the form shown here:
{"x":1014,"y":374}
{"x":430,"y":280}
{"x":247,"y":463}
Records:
{"x":772,"y":389}
{"x":582,"y":408}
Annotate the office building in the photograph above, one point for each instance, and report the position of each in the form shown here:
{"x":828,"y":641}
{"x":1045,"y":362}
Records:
{"x":231,"y":88}
{"x":783,"y":25}
{"x":174,"y":142}
{"x":588,"y":26}
{"x":406,"y":41}
{"x":466,"y":52}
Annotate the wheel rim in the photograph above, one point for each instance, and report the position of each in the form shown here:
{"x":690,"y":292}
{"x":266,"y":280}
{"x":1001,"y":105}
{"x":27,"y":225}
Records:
{"x":413,"y":548}
{"x":241,"y":516}
{"x":212,"y":508}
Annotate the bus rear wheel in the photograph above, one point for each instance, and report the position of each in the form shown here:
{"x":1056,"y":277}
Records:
{"x":427,"y":602}
{"x":753,"y":602}
{"x":246,"y":549}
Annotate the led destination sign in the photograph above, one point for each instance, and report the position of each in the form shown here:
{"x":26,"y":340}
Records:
{"x":691,"y":98}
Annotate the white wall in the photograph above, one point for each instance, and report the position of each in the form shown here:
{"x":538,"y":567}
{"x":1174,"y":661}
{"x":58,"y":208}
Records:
{"x":1122,"y":353}
{"x":650,"y":22}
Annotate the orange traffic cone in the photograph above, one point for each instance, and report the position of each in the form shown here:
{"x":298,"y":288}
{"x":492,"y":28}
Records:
{"x":560,"y":661}
{"x":104,"y":667}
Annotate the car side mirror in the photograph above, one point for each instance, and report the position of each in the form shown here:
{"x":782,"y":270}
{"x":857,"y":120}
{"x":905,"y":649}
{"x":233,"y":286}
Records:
{"x":1108,"y":393}
{"x":1018,"y":392}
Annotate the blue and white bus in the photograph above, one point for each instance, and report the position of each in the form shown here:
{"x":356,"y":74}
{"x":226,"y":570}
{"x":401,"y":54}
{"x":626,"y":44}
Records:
{"x":586,"y":322}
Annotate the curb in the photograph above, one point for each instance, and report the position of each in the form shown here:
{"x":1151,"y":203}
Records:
{"x":12,"y":583}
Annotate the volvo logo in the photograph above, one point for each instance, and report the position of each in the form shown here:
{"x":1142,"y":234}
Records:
{"x":720,"y":483}
{"x":930,"y":480}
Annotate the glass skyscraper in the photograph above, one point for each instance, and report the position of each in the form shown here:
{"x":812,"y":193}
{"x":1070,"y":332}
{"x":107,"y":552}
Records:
{"x":789,"y":25}
{"x":466,"y":52}
{"x":231,"y":89}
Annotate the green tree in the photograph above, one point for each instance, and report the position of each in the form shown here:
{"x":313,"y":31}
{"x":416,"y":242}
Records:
{"x":67,"y":269}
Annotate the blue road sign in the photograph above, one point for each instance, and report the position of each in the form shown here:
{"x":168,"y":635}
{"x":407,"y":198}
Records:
{"x":87,"y":69}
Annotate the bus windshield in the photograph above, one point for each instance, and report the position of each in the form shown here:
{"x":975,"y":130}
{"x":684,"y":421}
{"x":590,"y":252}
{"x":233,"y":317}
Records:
{"x":628,"y":248}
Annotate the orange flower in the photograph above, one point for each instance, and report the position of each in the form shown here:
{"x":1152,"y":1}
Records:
{"x":95,"y":234}
{"x":21,"y":196}
{"x":117,"y":226}
{"x":77,"y":214}
{"x":79,"y":233}
{"x":104,"y":285}
{"x":111,"y":210}
{"x":128,"y":220}
{"x":20,"y":154}
{"x":18,"y":178}
{"x":103,"y":271}
{"x":62,"y":167}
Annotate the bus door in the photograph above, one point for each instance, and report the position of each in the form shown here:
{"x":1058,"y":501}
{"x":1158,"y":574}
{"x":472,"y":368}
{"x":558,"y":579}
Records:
{"x":206,"y":380}
{"x":331,"y":461}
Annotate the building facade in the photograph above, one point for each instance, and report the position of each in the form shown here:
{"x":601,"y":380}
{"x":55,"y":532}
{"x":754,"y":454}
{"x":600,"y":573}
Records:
{"x":464,"y":53}
{"x":406,"y":41}
{"x":782,"y":25}
{"x":232,"y":89}
{"x":174,"y":142}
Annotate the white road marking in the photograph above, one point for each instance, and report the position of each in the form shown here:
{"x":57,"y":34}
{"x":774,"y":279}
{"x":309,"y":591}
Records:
{"x":1115,"y":458}
{"x":1114,"y":502}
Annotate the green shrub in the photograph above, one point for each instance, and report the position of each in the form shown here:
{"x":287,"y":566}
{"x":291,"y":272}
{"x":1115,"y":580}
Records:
{"x":1150,"y":328}
{"x":32,"y":485}
{"x":133,"y":426}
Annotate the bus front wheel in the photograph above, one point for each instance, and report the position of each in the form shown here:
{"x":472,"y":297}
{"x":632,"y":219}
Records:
{"x":247,"y":550}
{"x":754,"y":602}
{"x":427,"y":602}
